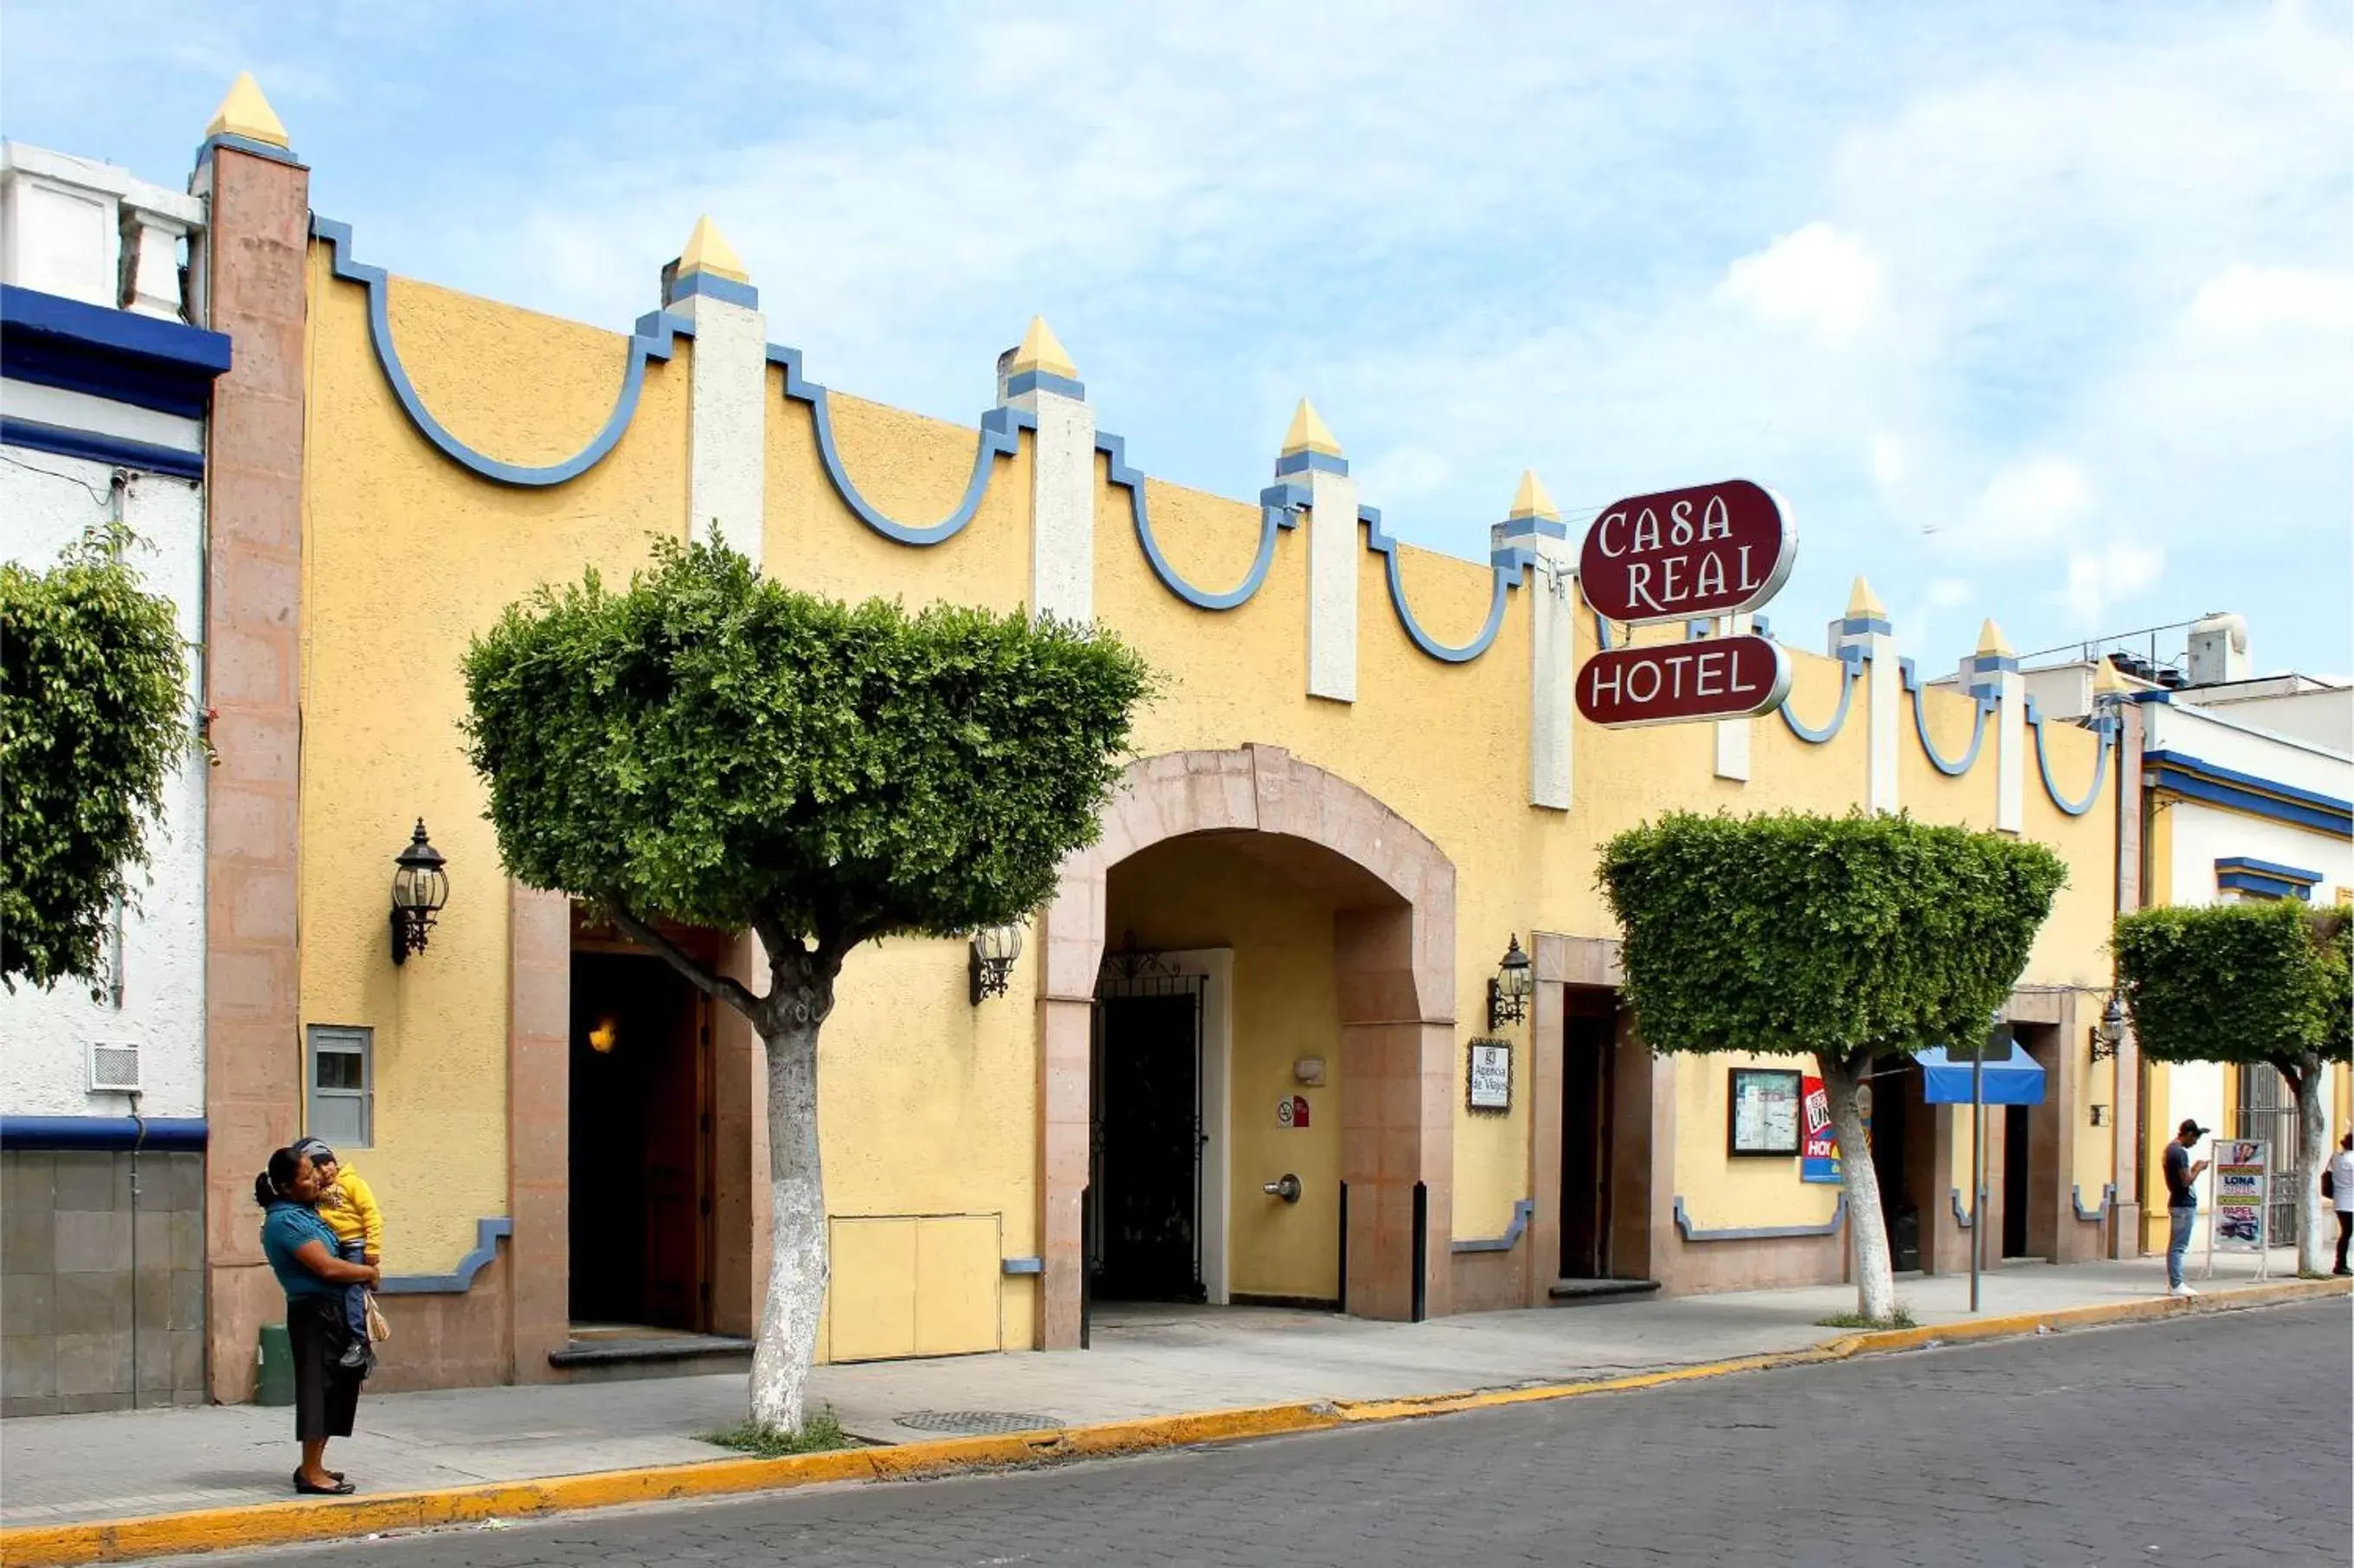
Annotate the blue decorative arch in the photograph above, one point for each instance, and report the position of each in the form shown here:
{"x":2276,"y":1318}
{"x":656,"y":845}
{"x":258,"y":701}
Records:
{"x":1852,"y":664}
{"x":1955,"y":769}
{"x":2106,"y":728}
{"x":1273,"y":515}
{"x":486,"y":1247}
{"x":1505,"y":566}
{"x":999,"y":436}
{"x":656,"y":335}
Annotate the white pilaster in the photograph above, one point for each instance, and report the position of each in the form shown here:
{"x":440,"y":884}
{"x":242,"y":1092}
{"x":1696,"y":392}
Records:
{"x":1866,"y":627}
{"x":1535,"y":526}
{"x":727,"y":382}
{"x":1733,"y":734}
{"x":1993,"y":670}
{"x":1040,"y":379}
{"x":1312,"y":458}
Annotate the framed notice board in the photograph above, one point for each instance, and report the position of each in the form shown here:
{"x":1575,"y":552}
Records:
{"x":1764,"y":1116}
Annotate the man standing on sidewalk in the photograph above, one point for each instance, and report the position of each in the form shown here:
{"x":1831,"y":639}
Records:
{"x":2181,"y":1200}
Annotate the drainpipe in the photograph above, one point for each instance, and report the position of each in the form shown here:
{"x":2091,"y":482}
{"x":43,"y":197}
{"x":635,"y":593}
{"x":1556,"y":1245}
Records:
{"x":138,"y":1138}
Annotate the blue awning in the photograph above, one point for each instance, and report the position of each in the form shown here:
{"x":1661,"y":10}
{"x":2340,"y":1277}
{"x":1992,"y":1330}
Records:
{"x":2016,"y":1080}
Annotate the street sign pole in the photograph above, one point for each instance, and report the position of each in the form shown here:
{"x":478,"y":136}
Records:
{"x":1977,"y":1170}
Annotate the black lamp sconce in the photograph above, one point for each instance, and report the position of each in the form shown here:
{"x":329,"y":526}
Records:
{"x":2109,"y":1032}
{"x":1508,"y":993}
{"x":419,"y":887}
{"x":994,"y":948}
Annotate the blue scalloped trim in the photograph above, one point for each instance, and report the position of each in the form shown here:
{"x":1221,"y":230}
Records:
{"x":2100,"y":1212}
{"x":486,"y":1247}
{"x":1506,"y":566}
{"x":655,"y":336}
{"x":2108,"y":728}
{"x":999,"y":436}
{"x":1693,"y":1233}
{"x":1273,"y":515}
{"x":1524,"y":1211}
{"x":1852,"y":658}
{"x":1985,"y":704}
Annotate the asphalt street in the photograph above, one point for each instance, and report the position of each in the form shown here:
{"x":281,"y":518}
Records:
{"x":2208,"y":1440}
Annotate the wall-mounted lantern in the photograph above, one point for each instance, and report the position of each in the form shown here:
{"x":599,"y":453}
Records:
{"x":994,"y":948}
{"x":1508,"y":993}
{"x":419,"y":888}
{"x":2110,"y":1031}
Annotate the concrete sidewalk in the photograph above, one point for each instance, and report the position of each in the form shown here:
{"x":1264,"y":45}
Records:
{"x":1151,"y":1361}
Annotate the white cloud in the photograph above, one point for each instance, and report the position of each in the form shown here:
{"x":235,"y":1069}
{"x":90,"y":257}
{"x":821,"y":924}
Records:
{"x":2033,"y":507}
{"x":1950,"y":593}
{"x":1817,"y":279}
{"x":1407,"y":471}
{"x":1887,"y":460}
{"x":2120,"y":570}
{"x":2243,"y":301}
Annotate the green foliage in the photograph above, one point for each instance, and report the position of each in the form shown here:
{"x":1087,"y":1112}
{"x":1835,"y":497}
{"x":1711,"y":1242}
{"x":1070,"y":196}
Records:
{"x":93,"y":688}
{"x":818,"y":1434}
{"x":1900,"y":1318}
{"x":716,"y":749}
{"x":2260,"y":982}
{"x":1835,"y":935}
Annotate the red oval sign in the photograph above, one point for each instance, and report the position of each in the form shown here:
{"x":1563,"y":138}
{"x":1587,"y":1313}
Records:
{"x":1714,"y":549}
{"x":1714,"y":678}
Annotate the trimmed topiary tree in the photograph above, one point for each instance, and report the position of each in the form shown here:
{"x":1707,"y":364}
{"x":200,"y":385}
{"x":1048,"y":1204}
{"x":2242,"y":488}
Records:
{"x":1839,"y":938}
{"x":2258,"y":984}
{"x":713,"y":748}
{"x":94,"y":718}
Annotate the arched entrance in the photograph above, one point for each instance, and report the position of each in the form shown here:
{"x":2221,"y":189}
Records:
{"x":1391,"y":897}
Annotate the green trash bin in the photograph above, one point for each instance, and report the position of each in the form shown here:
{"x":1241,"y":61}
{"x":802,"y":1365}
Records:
{"x":276,"y":1383}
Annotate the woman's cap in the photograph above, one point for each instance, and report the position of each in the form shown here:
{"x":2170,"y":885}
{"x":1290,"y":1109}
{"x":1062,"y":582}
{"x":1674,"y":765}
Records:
{"x":313,"y":1150}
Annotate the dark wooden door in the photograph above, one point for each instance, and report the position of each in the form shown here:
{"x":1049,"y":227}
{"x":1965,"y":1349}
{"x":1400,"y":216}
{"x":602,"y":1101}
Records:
{"x":675,"y":1172}
{"x":1586,"y":1133}
{"x":2015,"y":1143}
{"x":1149,"y":1142}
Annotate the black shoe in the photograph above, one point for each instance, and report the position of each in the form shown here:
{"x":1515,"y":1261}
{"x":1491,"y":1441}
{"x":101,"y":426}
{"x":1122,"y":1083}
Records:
{"x":2341,"y":1269}
{"x":342,"y":1489}
{"x":354,"y":1356}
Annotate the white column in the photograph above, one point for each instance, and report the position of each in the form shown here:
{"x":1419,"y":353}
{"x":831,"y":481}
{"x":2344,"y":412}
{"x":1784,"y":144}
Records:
{"x":1733,"y":734}
{"x":1993,"y":670}
{"x":1039,"y":378}
{"x":1312,"y":457}
{"x":727,"y":382}
{"x":1866,"y":626}
{"x":151,"y":263}
{"x":1535,"y":526}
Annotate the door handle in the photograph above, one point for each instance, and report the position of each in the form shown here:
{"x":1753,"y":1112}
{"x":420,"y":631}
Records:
{"x":1285,"y":1187}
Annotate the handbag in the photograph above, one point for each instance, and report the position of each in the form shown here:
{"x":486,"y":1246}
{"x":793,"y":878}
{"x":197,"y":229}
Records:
{"x":2329,"y":1182}
{"x":378,"y":1329}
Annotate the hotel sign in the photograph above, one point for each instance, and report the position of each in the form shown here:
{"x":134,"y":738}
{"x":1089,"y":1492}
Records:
{"x":1714,"y":549}
{"x":1683,"y":556}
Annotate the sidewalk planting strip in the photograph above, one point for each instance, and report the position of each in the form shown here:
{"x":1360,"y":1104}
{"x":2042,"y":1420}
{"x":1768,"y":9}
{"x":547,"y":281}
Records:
{"x":276,"y":1524}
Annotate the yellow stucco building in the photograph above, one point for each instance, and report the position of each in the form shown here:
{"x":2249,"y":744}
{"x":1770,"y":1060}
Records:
{"x":1364,"y":779}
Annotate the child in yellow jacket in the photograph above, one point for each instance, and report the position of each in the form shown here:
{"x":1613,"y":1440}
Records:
{"x":349,"y":1207}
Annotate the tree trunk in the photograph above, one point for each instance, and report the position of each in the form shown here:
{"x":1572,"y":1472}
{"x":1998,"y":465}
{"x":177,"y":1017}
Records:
{"x":796,"y":1251}
{"x":2313,"y":1252}
{"x":1867,"y":1228}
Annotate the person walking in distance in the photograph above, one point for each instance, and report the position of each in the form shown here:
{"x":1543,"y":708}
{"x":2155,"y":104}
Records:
{"x":2338,"y":1186}
{"x":2181,"y":1200}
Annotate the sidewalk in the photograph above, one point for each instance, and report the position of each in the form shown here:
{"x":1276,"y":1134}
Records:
{"x":1146,"y":1361}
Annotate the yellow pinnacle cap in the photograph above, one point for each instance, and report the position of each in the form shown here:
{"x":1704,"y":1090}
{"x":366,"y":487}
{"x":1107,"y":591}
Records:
{"x":1532,"y":500}
{"x":1862,"y":604}
{"x":1992,"y":643}
{"x":707,"y":251}
{"x":2108,"y":681}
{"x":245,"y":112}
{"x":1308,"y":433}
{"x":1042,"y":351}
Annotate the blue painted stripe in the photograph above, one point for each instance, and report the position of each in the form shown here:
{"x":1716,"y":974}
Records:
{"x":2268,"y":868}
{"x":2106,"y":728}
{"x":2100,"y":1212}
{"x":1291,"y":463}
{"x":1524,"y":1211}
{"x":143,"y":360}
{"x":999,"y":436}
{"x":101,"y":1132}
{"x":1023,"y":1266}
{"x":655,"y":337}
{"x":2183,"y":762}
{"x":486,"y":1247}
{"x":2191,"y":787}
{"x":1526,"y":527}
{"x":1867,"y":626}
{"x":1983,"y":705}
{"x":711,"y":286}
{"x":113,"y":450}
{"x":1505,"y":567}
{"x":1851,"y":664}
{"x":1966,"y":1221}
{"x":271,"y":150}
{"x":1693,"y":1233}
{"x":1042,"y":381}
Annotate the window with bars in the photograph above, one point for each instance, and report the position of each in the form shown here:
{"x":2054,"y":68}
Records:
{"x":343,"y":1085}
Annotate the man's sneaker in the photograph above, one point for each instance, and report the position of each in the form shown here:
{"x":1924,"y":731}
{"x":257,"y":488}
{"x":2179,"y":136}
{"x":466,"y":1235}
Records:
{"x":2182,"y":1292}
{"x":356,"y":1354}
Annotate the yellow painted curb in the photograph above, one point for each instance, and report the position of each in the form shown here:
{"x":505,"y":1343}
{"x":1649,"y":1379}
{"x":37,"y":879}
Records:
{"x":279,"y":1524}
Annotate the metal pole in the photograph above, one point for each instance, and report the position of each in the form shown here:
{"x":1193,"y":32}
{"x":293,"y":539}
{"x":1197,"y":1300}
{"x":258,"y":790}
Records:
{"x":1977,"y":1170}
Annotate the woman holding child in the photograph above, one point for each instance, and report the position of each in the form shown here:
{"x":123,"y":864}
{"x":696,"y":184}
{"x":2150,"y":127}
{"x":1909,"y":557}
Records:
{"x":302,"y":1253}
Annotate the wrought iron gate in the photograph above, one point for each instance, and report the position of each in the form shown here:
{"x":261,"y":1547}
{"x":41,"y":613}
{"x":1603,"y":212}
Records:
{"x":1146,"y":1134}
{"x":2268,"y":1111}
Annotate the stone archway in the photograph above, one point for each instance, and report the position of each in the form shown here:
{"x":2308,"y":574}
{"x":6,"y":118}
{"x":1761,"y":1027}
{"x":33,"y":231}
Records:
{"x":1395,"y":962}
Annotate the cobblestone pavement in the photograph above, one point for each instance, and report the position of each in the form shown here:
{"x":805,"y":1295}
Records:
{"x":2207,"y":1440}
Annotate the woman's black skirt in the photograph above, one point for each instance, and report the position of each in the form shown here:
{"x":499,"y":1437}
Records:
{"x":326,"y":1392}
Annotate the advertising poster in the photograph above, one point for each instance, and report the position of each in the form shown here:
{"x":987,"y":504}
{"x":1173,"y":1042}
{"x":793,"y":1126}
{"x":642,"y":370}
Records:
{"x":2240,"y":1197}
{"x":1818,"y":1157}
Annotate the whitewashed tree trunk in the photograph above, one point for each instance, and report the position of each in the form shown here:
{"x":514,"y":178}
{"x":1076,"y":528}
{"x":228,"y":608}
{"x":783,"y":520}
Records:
{"x":797,"y":1250}
{"x":1867,"y":1229}
{"x":2315,"y":1232}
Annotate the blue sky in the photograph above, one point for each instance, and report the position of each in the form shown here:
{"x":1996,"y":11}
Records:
{"x":2040,"y":312}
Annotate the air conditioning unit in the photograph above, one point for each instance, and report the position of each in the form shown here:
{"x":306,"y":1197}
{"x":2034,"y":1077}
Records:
{"x":113,"y":1068}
